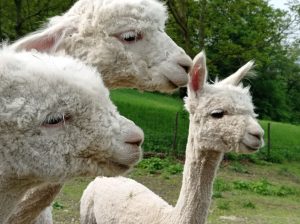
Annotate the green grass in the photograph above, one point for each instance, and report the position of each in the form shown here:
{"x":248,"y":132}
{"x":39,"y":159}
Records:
{"x":254,"y":193}
{"x":285,"y":141}
{"x":250,"y":198}
{"x":155,"y":114}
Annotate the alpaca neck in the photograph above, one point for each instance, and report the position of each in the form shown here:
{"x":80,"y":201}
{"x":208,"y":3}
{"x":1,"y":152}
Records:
{"x":11,"y":192}
{"x":37,"y":199}
{"x":199,"y":172}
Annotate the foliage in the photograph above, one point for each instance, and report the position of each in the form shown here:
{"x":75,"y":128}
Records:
{"x":224,"y":205}
{"x":238,"y":167}
{"x":217,"y":194}
{"x":221,"y":185}
{"x":57,"y":205}
{"x":268,"y":209}
{"x":234,"y":32}
{"x":263,"y":187}
{"x":249,"y":204}
{"x":20,"y":17}
{"x":157,"y":166}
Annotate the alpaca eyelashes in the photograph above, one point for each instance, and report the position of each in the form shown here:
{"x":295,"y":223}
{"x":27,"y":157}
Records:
{"x":55,"y":120}
{"x":130,"y":36}
{"x":218,"y":113}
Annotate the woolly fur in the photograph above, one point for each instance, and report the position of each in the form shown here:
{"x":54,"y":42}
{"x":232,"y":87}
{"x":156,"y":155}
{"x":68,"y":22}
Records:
{"x":122,"y":200}
{"x":89,"y":139}
{"x":92,"y":31}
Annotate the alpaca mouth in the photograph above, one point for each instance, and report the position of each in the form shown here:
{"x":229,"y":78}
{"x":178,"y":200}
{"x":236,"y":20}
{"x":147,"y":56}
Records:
{"x":172,"y":85}
{"x":251,"y":148}
{"x":100,"y":160}
{"x":120,"y":165}
{"x":128,"y":163}
{"x":178,"y":79}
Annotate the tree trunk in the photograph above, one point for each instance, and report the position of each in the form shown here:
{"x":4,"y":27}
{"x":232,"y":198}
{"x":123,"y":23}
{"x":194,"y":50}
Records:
{"x":179,"y":10}
{"x":1,"y":34}
{"x":202,"y":19}
{"x":18,"y":26}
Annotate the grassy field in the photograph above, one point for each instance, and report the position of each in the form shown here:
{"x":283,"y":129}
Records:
{"x":156,"y":113}
{"x":244,"y":193}
{"x":252,"y":193}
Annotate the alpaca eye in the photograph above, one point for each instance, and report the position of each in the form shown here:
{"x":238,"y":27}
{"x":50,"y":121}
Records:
{"x":219,"y":113}
{"x":130,"y":36}
{"x":56,"y":120}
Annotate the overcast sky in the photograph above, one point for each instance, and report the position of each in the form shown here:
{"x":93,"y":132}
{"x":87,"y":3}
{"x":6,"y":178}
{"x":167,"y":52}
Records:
{"x":279,"y":3}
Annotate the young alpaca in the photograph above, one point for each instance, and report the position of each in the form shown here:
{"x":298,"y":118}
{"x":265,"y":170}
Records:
{"x":221,"y":120}
{"x":57,"y":122}
{"x":124,"y":39}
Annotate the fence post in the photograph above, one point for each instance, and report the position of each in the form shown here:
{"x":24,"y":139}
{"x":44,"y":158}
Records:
{"x":175,"y":135}
{"x":269,"y":140}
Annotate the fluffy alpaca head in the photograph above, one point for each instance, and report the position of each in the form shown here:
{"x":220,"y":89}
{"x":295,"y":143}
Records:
{"x":125,"y":40}
{"x":57,"y":121}
{"x":222,"y":114}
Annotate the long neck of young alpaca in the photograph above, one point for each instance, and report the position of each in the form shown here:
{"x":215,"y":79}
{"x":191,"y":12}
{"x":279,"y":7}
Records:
{"x":200,"y":169}
{"x":37,"y":199}
{"x":11,"y":192}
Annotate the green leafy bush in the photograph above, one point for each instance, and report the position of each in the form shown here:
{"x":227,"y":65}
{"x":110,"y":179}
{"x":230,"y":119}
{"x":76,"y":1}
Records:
{"x":221,"y":185}
{"x":57,"y":205}
{"x":263,"y":187}
{"x":217,"y":194}
{"x":156,"y":165}
{"x":223,"y":205}
{"x":238,"y":167}
{"x":249,"y":204}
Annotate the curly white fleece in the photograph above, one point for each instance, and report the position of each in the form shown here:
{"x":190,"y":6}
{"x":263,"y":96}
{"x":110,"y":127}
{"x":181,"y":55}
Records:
{"x":87,"y":135}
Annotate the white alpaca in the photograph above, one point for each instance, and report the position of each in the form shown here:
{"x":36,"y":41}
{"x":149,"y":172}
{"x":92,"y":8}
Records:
{"x":221,"y":120}
{"x":125,"y":40}
{"x":122,"y":38}
{"x":57,"y":122}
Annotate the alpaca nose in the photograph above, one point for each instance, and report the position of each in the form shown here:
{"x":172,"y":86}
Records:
{"x":134,"y":137}
{"x":135,"y":140}
{"x":184,"y":62}
{"x":257,"y":135}
{"x":254,"y":129}
{"x":185,"y":67}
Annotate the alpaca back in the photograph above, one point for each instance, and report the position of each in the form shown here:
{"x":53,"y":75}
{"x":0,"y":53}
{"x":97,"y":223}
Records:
{"x":130,"y":200}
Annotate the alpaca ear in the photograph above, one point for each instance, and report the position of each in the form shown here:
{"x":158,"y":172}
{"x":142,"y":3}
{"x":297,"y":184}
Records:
{"x":198,"y":73}
{"x":236,"y":77}
{"x":47,"y":40}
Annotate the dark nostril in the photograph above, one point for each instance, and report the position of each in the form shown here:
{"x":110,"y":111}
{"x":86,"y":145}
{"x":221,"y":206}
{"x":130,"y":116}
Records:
{"x":136,"y":142}
{"x":256,"y":135}
{"x":185,"y":67}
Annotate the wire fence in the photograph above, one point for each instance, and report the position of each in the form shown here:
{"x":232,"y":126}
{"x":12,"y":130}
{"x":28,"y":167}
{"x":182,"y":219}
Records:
{"x":166,"y":123}
{"x":173,"y":139}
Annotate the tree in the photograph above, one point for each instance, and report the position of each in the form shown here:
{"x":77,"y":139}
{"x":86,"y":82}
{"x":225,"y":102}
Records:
{"x":234,"y":32}
{"x":19,"y":17}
